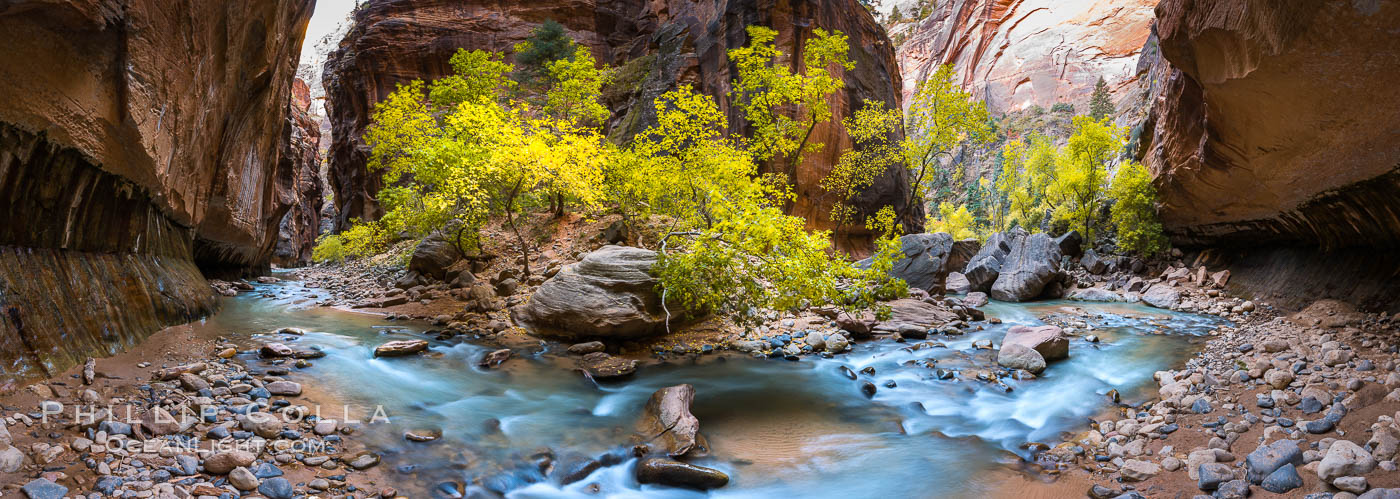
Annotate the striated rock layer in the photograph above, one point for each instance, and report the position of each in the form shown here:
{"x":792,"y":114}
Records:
{"x":667,"y":42}
{"x":140,"y":142}
{"x":1017,"y":53}
{"x":1273,"y":139}
{"x":1275,"y":123}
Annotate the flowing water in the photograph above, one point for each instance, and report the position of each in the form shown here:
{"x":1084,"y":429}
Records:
{"x":778,"y":428}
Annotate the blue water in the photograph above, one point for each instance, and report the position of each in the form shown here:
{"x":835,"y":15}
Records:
{"x":778,"y":428}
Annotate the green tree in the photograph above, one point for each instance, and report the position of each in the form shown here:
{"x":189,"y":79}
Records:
{"x":730,"y":248}
{"x":940,"y":117}
{"x":1100,"y":103}
{"x":954,"y":220}
{"x":783,"y":107}
{"x":1134,"y":211}
{"x":547,"y":43}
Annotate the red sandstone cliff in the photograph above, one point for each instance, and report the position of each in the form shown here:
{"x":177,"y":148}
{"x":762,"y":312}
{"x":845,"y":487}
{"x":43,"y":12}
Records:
{"x":675,"y":41}
{"x":1277,"y":122}
{"x":1017,"y":53}
{"x":299,"y":180}
{"x":137,"y":138}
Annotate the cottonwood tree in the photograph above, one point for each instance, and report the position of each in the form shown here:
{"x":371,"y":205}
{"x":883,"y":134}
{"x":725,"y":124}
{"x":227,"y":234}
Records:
{"x":783,"y":107}
{"x":871,"y":128}
{"x":941,"y":116}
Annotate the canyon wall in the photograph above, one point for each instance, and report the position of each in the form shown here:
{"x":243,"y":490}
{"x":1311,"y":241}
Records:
{"x":140,"y":143}
{"x":1275,"y":136}
{"x":299,"y":176}
{"x":668,"y":42}
{"x":1018,"y":53}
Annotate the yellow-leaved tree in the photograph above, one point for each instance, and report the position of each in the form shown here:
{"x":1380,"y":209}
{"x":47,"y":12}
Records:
{"x":1134,"y":212}
{"x":782,"y":106}
{"x":1075,"y":191}
{"x":941,"y":116}
{"x":872,"y":129}
{"x":460,"y":150}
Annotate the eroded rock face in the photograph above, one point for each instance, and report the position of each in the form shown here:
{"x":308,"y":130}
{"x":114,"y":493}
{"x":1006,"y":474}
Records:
{"x":1034,"y":262}
{"x":1017,"y":53}
{"x":301,"y":159}
{"x":668,"y":42}
{"x":137,"y":139}
{"x":927,"y":259}
{"x":1269,"y":127}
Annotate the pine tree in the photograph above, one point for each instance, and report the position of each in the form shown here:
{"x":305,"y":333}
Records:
{"x":1100,"y":105}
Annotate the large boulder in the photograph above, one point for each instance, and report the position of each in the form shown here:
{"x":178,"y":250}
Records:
{"x":1033,"y":263}
{"x":433,"y":256}
{"x":984,"y":267}
{"x":1092,"y":263}
{"x":1345,"y":458}
{"x":1162,"y":295}
{"x":1070,"y":243}
{"x":1050,"y":341}
{"x":962,"y":253}
{"x":610,"y":293}
{"x":667,"y":421}
{"x":924,"y":263}
{"x":956,"y":283}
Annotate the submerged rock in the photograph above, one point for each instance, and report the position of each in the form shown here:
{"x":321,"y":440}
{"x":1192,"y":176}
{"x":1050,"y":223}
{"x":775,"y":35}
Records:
{"x":666,"y":420}
{"x":600,"y":365}
{"x":495,"y":358}
{"x":663,"y":471}
{"x":610,"y":293}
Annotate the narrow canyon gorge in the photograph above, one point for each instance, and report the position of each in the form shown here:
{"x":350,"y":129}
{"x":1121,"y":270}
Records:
{"x":180,"y":230}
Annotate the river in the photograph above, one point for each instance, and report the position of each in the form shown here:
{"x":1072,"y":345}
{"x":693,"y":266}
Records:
{"x":778,"y":428}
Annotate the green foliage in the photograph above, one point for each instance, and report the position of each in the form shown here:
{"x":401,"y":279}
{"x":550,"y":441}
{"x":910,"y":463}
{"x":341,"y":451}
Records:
{"x":1134,"y":211}
{"x":1062,"y":107}
{"x":1075,"y":191}
{"x":477,"y":75}
{"x":871,"y":129}
{"x":941,"y":116}
{"x":547,"y":43}
{"x":895,"y":15}
{"x":470,"y":147}
{"x":361,"y":240}
{"x":1100,"y":104}
{"x":731,"y":249}
{"x":783,"y":107}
